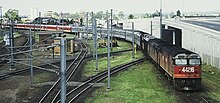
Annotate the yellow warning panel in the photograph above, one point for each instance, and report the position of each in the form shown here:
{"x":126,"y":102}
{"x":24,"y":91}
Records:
{"x":70,"y":46}
{"x":57,"y":48}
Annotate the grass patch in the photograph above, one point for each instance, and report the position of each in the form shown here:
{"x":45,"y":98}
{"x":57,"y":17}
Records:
{"x":122,"y":46}
{"x":139,"y":84}
{"x":43,"y":77}
{"x":102,"y":62}
{"x":211,"y":80}
{"x":115,"y":60}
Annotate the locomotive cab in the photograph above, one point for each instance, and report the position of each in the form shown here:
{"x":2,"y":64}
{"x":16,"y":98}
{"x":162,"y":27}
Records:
{"x":187,"y":71}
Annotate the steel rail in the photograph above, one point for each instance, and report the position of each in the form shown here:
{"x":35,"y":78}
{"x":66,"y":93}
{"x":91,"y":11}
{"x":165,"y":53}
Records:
{"x":99,"y":77}
{"x":57,"y":82}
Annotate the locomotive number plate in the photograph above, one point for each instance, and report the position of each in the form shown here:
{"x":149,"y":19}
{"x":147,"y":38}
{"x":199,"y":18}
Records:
{"x":188,"y":69}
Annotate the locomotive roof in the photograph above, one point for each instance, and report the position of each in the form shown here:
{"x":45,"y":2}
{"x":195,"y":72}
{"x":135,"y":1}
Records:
{"x":167,"y":47}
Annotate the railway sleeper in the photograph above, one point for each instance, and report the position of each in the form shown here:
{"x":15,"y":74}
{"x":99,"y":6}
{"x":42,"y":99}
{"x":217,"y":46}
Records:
{"x":70,"y":84}
{"x":187,"y":84}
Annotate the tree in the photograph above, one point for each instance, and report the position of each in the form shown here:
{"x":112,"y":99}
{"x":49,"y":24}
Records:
{"x":146,"y":15}
{"x":55,"y":15}
{"x":121,"y":15}
{"x":157,"y":13}
{"x":12,"y":15}
{"x":81,"y":21}
{"x":75,"y":16}
{"x":99,"y":15}
{"x":131,"y":16}
{"x":178,"y":13}
{"x":106,"y":15}
{"x":115,"y":17}
{"x":172,"y":15}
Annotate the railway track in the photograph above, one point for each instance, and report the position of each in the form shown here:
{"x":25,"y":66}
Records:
{"x":106,"y":54}
{"x":21,"y":42}
{"x":54,"y":91}
{"x":75,"y":93}
{"x":19,"y":72}
{"x":8,"y":75}
{"x":192,"y":97}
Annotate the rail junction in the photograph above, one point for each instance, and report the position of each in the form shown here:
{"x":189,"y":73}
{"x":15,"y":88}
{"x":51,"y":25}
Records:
{"x":73,"y":63}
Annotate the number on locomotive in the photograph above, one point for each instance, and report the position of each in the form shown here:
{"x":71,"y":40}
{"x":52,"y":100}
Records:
{"x":188,"y":69}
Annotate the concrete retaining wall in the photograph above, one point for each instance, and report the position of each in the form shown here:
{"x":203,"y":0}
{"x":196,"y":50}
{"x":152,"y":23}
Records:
{"x":201,"y":40}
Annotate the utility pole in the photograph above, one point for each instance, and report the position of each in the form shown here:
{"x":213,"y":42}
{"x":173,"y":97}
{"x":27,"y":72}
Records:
{"x":151,"y":27}
{"x":161,"y":19}
{"x":63,"y":68}
{"x":62,"y":21}
{"x":182,"y":8}
{"x":132,"y":40}
{"x":87,"y":25}
{"x":1,"y":16}
{"x":93,"y":32}
{"x":109,"y":63}
{"x":111,"y":31}
{"x":96,"y":49}
{"x":30,"y":58}
{"x":12,"y":66}
{"x":40,"y":19}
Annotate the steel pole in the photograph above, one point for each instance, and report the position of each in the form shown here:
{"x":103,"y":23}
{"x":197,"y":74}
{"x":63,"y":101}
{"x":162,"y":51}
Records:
{"x":63,"y":69}
{"x":132,"y":40}
{"x":109,"y":63}
{"x":30,"y":59}
{"x":151,"y":27}
{"x":111,"y":31}
{"x":1,"y":16}
{"x":87,"y":25}
{"x":12,"y":46}
{"x":96,"y":49}
{"x":161,"y":19}
{"x":182,"y":8}
{"x":40,"y":19}
{"x":93,"y":32}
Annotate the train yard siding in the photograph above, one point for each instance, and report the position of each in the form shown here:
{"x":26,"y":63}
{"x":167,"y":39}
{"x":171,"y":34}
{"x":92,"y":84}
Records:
{"x":139,"y":84}
{"x":132,"y":86}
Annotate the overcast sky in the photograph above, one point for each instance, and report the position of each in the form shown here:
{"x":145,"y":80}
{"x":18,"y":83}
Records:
{"x":128,"y":6}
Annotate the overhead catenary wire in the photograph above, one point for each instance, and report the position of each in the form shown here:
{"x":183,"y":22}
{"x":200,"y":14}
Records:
{"x":42,"y":60}
{"x":38,"y":67}
{"x":26,"y":51}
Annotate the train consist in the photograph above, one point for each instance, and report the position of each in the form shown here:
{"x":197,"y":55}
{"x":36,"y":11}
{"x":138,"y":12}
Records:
{"x":183,"y":66}
{"x":64,"y":28}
